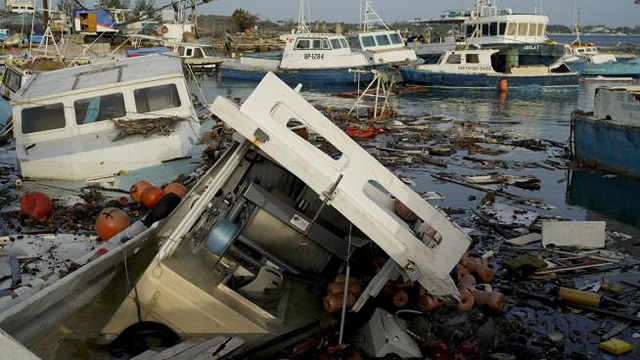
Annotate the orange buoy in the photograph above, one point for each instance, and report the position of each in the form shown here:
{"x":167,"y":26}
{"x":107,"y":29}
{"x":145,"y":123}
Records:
{"x":333,"y":303}
{"x":495,"y":300}
{"x":36,"y":205}
{"x":137,"y":188}
{"x":111,"y":221}
{"x":502,"y":85}
{"x":175,"y":188}
{"x":427,"y":303}
{"x":466,"y":300}
{"x":151,"y":195}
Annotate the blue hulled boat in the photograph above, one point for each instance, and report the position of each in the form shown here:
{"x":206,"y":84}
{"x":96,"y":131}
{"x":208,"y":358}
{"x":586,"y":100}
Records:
{"x":474,"y":68}
{"x":608,"y":138}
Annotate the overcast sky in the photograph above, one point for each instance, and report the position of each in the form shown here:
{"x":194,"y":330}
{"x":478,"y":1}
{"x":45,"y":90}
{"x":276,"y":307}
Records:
{"x":608,"y":12}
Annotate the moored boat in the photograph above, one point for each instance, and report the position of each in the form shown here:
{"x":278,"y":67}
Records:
{"x":521,"y":37}
{"x":475,"y":68}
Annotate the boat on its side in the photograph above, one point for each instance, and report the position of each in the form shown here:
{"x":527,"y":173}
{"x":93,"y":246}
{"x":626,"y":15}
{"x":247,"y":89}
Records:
{"x":95,"y":121}
{"x":474,"y":68}
{"x":586,"y":59}
{"x":607,"y":138}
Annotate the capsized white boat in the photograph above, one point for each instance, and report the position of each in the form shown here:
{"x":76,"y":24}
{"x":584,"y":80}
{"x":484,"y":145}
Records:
{"x":275,"y":205}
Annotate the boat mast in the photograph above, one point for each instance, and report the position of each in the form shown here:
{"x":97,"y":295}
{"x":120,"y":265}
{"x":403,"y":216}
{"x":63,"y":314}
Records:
{"x":369,"y":16}
{"x":302,"y":25}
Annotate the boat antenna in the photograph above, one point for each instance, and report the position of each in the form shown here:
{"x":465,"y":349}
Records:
{"x":302,"y":25}
{"x":370,"y":16}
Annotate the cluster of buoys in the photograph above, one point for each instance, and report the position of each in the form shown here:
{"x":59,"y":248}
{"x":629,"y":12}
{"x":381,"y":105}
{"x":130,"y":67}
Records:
{"x":112,"y":220}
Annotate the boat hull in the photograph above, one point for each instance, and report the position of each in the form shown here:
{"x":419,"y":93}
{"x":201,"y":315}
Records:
{"x":307,"y":77}
{"x":492,"y":80}
{"x":622,"y":68}
{"x":606,"y":145}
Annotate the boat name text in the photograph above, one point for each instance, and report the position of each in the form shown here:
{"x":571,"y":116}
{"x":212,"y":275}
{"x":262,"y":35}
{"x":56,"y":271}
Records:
{"x":314,"y":56}
{"x":475,"y":67}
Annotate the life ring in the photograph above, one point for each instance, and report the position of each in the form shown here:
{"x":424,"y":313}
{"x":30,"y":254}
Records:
{"x":164,"y":29}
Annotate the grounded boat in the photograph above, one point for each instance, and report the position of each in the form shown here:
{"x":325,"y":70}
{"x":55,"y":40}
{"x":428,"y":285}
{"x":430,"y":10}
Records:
{"x":586,"y":58}
{"x":607,"y":138}
{"x":476,"y":68}
{"x":96,"y":121}
{"x":521,"y":38}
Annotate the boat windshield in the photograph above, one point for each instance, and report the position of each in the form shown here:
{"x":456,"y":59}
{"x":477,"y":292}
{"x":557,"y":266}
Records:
{"x":208,"y":51}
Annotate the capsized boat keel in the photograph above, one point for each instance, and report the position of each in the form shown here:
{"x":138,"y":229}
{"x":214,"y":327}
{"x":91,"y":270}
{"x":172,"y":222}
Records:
{"x":277,"y":204}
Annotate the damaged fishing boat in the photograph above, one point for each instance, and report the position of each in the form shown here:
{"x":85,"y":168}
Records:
{"x":278,"y":208}
{"x":607,"y":138}
{"x":96,"y":121}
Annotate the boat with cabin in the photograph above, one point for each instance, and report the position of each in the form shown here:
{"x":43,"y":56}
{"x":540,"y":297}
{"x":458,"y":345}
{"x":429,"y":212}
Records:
{"x":521,"y":37}
{"x":323,"y":58}
{"x":607,"y":138}
{"x":587,"y":59}
{"x":98,"y":120}
{"x":472,"y":67}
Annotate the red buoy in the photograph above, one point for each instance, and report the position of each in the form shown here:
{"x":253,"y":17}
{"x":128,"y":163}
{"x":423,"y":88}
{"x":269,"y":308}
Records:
{"x":36,"y":205}
{"x":111,"y":221}
{"x":137,"y":188}
{"x":151,"y":195}
{"x":503,"y":85}
{"x":175,"y":188}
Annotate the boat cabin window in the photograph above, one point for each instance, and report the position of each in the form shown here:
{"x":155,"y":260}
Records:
{"x":396,"y":39}
{"x":156,"y":98}
{"x":383,"y":40}
{"x":523,"y":29}
{"x":485,"y":29}
{"x":197,"y":53}
{"x":454,"y":59}
{"x":336,"y":43}
{"x":303,"y":44}
{"x":512,"y":29}
{"x":208,"y":51}
{"x":493,"y":29}
{"x":533,"y":27}
{"x":99,"y":108}
{"x":43,"y":118}
{"x":541,"y":29}
{"x":344,"y":43}
{"x":368,"y":41}
{"x":469,"y":31}
{"x":502,"y":27}
{"x":472,"y":58}
{"x":12,"y":79}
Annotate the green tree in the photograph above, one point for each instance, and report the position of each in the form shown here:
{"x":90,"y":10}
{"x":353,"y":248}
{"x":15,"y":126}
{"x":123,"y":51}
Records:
{"x":114,"y":4}
{"x":144,"y":6}
{"x":67,"y":6}
{"x":243,"y":19}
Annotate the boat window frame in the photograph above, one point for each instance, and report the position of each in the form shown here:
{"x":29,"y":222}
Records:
{"x":511,"y":29}
{"x":398,"y":39}
{"x":502,"y":28}
{"x":533,"y":29}
{"x":344,"y":43}
{"x":485,"y":29}
{"x":170,"y":105}
{"x":542,"y":28}
{"x":383,"y":40}
{"x":10,"y":81}
{"x":523,"y":29}
{"x":100,"y":116}
{"x":30,"y":118}
{"x":335,"y":43}
{"x":367,"y":41}
{"x":454,"y":58}
{"x":472,"y":58}
{"x":299,"y":44}
{"x":493,"y":29}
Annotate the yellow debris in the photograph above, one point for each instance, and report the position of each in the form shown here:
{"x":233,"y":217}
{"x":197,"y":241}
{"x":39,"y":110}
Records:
{"x":616,"y":346}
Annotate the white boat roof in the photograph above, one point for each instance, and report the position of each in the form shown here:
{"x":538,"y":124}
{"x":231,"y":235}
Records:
{"x":115,"y":73}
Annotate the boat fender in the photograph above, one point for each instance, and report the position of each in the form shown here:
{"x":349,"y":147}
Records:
{"x":142,"y":336}
{"x":503,"y":85}
{"x":162,"y":209}
{"x":164,"y":29}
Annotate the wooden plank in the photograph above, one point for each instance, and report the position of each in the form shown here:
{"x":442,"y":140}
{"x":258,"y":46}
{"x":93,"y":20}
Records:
{"x":525,"y":239}
{"x":172,"y":351}
{"x":145,"y":355}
